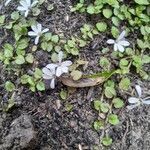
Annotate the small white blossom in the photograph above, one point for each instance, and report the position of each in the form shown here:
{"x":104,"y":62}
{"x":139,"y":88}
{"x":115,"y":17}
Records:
{"x":119,"y":43}
{"x":37,"y":32}
{"x":26,"y":6}
{"x":136,"y":101}
{"x":49,"y":73}
{"x":62,"y":67}
{"x":7,"y":2}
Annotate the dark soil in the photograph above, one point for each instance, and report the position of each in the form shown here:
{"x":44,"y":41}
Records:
{"x":41,"y":120}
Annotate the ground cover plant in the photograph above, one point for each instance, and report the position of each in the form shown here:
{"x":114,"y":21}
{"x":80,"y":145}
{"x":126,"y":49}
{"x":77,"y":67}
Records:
{"x":74,"y":74}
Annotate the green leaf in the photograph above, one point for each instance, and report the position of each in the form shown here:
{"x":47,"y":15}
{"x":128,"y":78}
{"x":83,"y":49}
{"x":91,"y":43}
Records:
{"x":97,"y":105}
{"x":63,"y":95}
{"x":124,"y":84}
{"x":31,"y":81}
{"x":110,"y":92}
{"x":22,"y":44}
{"x":107,"y":141}
{"x":76,"y":74}
{"x":100,"y":106}
{"x":8,"y":50}
{"x":48,"y":36}
{"x":50,"y":7}
{"x":90,"y":9}
{"x":40,"y":86}
{"x":15,"y":15}
{"x":29,"y":58}
{"x":101,"y":26}
{"x":113,"y":119}
{"x":146,"y":59}
{"x":36,"y":11}
{"x":118,"y":103}
{"x":142,"y":2}
{"x":98,"y":124}
{"x":24,"y":79}
{"x":107,"y":13}
{"x":11,"y":103}
{"x":115,"y":31}
{"x":104,"y":107}
{"x":116,"y":21}
{"x":55,"y":38}
{"x":2,"y":19}
{"x":123,"y":63}
{"x":9,"y":86}
{"x":44,"y":45}
{"x":20,"y":60}
{"x":38,"y":73}
{"x":104,"y":63}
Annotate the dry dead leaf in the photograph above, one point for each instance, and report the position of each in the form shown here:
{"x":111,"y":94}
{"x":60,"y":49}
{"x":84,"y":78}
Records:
{"x":84,"y":82}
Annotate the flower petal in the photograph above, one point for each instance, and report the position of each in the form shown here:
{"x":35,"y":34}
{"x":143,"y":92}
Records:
{"x":36,"y":40}
{"x":66,"y":63}
{"x":120,"y":48}
{"x":28,"y":3}
{"x":6,"y":3}
{"x":47,"y":72}
{"x":133,"y":100}
{"x":31,"y":33}
{"x":138,"y":90}
{"x":59,"y":72}
{"x":20,"y":8}
{"x":60,"y":56}
{"x":52,"y":84}
{"x":34,"y":28}
{"x":51,"y":66}
{"x":124,"y":43}
{"x":45,"y":30}
{"x":147,"y":102}
{"x":115,"y":47}
{"x":46,"y":77}
{"x":64,"y":69}
{"x":132,"y":106}
{"x":110,"y":41}
{"x":26,"y":13}
{"x":121,"y":36}
{"x":24,"y":3}
{"x":39,"y":27}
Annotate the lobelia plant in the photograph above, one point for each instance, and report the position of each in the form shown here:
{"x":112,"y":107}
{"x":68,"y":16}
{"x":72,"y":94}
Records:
{"x":37,"y":32}
{"x":26,"y":6}
{"x":119,"y":43}
{"x":51,"y":71}
{"x":136,"y":101}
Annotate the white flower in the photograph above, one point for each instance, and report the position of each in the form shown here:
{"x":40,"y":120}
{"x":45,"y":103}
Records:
{"x":119,"y":43}
{"x":7,"y":2}
{"x":136,"y":101}
{"x":49,"y":73}
{"x":37,"y":32}
{"x":26,"y":6}
{"x":62,"y":67}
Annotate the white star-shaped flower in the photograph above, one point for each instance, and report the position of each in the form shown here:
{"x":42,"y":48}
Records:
{"x":7,"y":2}
{"x":37,"y":32}
{"x":136,"y":101}
{"x":62,"y":67}
{"x":26,"y":6}
{"x":119,"y":43}
{"x":49,"y":73}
